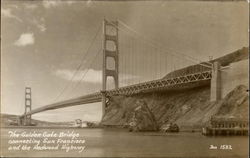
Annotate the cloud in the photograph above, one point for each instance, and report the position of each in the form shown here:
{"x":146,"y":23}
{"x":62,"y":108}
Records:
{"x":41,"y":27}
{"x":13,"y":6}
{"x":70,"y":2}
{"x":25,"y":39}
{"x":8,"y":14}
{"x":51,"y":3}
{"x":30,"y":6}
{"x":92,"y":76}
{"x":54,"y":3}
{"x":89,"y":3}
{"x":39,"y":24}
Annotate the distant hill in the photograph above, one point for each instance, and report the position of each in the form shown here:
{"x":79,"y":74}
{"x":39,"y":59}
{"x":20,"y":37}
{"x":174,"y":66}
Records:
{"x":11,"y":120}
{"x":225,"y":60}
{"x":236,"y":56}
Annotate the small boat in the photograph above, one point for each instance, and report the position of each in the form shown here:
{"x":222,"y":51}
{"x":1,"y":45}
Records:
{"x":170,"y":128}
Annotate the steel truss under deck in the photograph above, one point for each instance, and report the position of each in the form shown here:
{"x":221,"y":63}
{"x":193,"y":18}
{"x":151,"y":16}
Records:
{"x":154,"y":85}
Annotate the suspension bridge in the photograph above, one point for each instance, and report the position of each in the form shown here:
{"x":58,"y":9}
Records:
{"x":135,"y":64}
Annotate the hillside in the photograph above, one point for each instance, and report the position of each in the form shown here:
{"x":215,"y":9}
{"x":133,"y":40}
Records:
{"x":190,"y":108}
{"x":166,"y":106}
{"x":236,"y":56}
{"x":235,"y":104}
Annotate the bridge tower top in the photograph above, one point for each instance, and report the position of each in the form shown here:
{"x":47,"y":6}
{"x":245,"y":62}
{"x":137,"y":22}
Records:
{"x":110,"y":50}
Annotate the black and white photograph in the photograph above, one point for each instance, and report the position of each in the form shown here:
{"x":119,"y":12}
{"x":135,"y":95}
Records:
{"x":124,"y":78}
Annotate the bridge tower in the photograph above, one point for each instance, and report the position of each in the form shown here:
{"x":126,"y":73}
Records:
{"x":110,"y":40}
{"x":215,"y":90}
{"x":28,"y":103}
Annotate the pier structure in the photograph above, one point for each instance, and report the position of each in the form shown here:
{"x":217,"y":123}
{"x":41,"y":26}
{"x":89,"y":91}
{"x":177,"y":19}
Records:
{"x":226,"y":126}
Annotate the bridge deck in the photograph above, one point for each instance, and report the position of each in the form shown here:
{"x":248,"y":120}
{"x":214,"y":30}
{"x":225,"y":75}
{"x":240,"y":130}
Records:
{"x":154,"y":85}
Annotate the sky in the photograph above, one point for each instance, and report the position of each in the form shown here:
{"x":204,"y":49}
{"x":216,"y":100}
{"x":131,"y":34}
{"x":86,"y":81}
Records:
{"x":43,"y":43}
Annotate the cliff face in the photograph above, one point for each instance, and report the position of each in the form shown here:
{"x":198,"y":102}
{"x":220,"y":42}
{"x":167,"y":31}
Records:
{"x":235,"y":104}
{"x":143,"y":119}
{"x":189,"y":109}
{"x":183,"y":107}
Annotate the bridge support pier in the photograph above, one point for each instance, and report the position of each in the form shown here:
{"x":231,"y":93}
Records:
{"x":103,"y":103}
{"x":215,"y":90}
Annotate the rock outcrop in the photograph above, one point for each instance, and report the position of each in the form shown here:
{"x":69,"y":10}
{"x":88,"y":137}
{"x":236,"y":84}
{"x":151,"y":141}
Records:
{"x":235,"y":104}
{"x":143,"y":119}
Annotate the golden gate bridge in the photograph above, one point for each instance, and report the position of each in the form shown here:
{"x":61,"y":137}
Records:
{"x":136,"y":64}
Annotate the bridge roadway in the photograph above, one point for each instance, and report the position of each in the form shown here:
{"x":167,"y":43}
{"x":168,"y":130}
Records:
{"x":154,"y":85}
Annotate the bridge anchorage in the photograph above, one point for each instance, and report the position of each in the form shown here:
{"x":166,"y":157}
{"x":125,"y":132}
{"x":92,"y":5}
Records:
{"x":110,"y":49}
